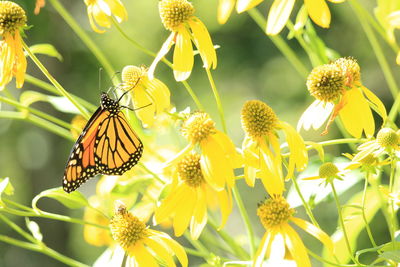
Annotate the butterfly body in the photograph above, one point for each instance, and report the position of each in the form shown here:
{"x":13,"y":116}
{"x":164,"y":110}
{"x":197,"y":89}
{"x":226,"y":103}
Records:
{"x":107,"y":145}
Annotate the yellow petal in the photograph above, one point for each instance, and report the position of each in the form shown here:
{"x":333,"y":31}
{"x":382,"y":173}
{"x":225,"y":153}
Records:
{"x":315,"y":115}
{"x":278,"y":16}
{"x":225,"y":202}
{"x":141,"y":99}
{"x":262,"y":249}
{"x":295,"y":246}
{"x":250,"y":175}
{"x":225,"y":8}
{"x":270,"y":175}
{"x":394,"y":19}
{"x":163,"y":51}
{"x":203,"y":43}
{"x":199,"y":218}
{"x":159,"y":92}
{"x":184,"y":211}
{"x":229,"y":148}
{"x":398,"y":58}
{"x":175,"y":246}
{"x":118,"y":10}
{"x":100,"y":17}
{"x":183,"y":55}
{"x":91,"y":20}
{"x":161,"y":251}
{"x":376,"y":102}
{"x":314,"y":231}
{"x":319,"y":12}
{"x":244,"y":5}
{"x":169,"y":204}
{"x":336,"y":1}
{"x":143,"y":257}
{"x":20,"y":61}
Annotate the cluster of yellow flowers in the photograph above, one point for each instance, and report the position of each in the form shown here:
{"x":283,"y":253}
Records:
{"x":202,"y":176}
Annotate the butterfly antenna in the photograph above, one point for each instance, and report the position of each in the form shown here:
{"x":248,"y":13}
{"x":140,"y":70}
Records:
{"x":127,"y":91}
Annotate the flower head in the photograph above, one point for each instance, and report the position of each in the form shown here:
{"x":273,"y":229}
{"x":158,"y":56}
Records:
{"x":178,"y":17}
{"x":261,"y":149}
{"x":100,"y":12}
{"x":338,"y":90}
{"x":280,"y":238}
{"x":150,"y":97}
{"x":12,"y":58}
{"x":198,"y":127}
{"x":190,"y":197}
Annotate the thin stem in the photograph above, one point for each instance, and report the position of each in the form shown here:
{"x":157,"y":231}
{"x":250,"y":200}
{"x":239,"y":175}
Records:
{"x":197,"y":245}
{"x":217,"y":99}
{"x":42,"y":248}
{"x":246,"y":219}
{"x":394,"y":111}
{"x":238,"y":250}
{"x":314,"y":255}
{"x":50,"y":88}
{"x":193,"y":95}
{"x":339,"y":208}
{"x":151,"y":172}
{"x":37,"y":121}
{"x":387,"y":72}
{"x":196,"y":253}
{"x":84,"y":37}
{"x":280,"y":44}
{"x":305,"y":204}
{"x":54,"y":81}
{"x":369,"y":232}
{"x":18,"y":229}
{"x":391,"y":201}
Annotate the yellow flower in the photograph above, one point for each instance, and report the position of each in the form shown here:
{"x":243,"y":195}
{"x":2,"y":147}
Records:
{"x":150,"y":97}
{"x":389,"y":18}
{"x":225,"y":8}
{"x":100,"y":13}
{"x":369,"y":163}
{"x":338,"y":91}
{"x":78,"y":124}
{"x":143,"y":246}
{"x":330,"y":171}
{"x":387,"y":141}
{"x":12,"y":58}
{"x":218,"y":154}
{"x":39,"y":4}
{"x":177,"y":17}
{"x":189,"y":197}
{"x":280,"y":238}
{"x":261,"y":148}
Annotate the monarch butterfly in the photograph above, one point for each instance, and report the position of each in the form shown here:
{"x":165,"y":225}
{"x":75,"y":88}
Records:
{"x":107,"y":145}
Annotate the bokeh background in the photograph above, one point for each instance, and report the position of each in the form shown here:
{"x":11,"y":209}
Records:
{"x":249,"y":67}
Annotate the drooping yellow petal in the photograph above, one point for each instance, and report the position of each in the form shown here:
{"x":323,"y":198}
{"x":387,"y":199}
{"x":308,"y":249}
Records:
{"x":143,"y":257}
{"x":101,"y":17}
{"x":315,"y":115}
{"x":270,"y":175}
{"x":394,"y":19}
{"x":230,"y":150}
{"x":244,"y":5}
{"x":169,"y":204}
{"x":184,"y":210}
{"x":20,"y":61}
{"x":295,"y":246}
{"x":319,"y":12}
{"x":203,"y":42}
{"x":225,"y":202}
{"x":140,"y":99}
{"x":262,"y":249}
{"x":199,"y":218}
{"x":7,"y":57}
{"x":160,"y":250}
{"x":314,"y":231}
{"x":118,"y":10}
{"x":175,"y":247}
{"x":278,"y":16}
{"x":251,"y":152}
{"x":356,"y":114}
{"x":377,"y":103}
{"x":92,"y":20}
{"x":225,"y":8}
{"x":250,"y":175}
{"x":159,"y":92}
{"x":163,"y":51}
{"x":183,"y":55}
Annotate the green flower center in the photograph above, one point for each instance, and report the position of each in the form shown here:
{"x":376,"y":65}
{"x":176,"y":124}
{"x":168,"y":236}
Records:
{"x":175,"y":12}
{"x":326,"y":82}
{"x":258,"y":119}
{"x":197,"y":127}
{"x":12,"y":17}
{"x":328,"y":170}
{"x":131,"y":76}
{"x":127,"y":229}
{"x":189,"y":170}
{"x":274,"y":211}
{"x":387,"y":138}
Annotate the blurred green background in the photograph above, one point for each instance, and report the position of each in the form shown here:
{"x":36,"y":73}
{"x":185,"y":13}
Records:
{"x":249,"y":67}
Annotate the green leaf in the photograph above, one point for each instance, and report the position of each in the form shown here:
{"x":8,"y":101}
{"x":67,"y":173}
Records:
{"x":319,"y":148}
{"x":34,"y":228}
{"x":6,"y":188}
{"x":60,"y":103}
{"x":391,"y":255}
{"x":46,"y":49}
{"x":73,"y":200}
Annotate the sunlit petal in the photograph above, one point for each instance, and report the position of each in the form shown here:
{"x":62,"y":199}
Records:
{"x":225,"y":8}
{"x":163,"y":51}
{"x":203,"y":42}
{"x":183,"y":55}
{"x":279,"y":15}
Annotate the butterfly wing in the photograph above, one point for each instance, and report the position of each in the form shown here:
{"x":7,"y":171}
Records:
{"x":117,"y":148}
{"x":81,"y":164}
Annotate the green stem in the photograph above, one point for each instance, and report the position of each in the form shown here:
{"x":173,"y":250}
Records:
{"x":54,"y":81}
{"x":369,"y":232}
{"x":197,"y":245}
{"x":305,"y":204}
{"x":50,"y":88}
{"x":151,"y":173}
{"x":18,"y":229}
{"x":335,"y":196}
{"x":217,"y":99}
{"x":391,"y":201}
{"x":238,"y":250}
{"x":196,"y":253}
{"x":84,"y":37}
{"x":42,"y":248}
{"x":336,"y":264}
{"x":394,"y":111}
{"x":37,"y":121}
{"x":280,"y":44}
{"x":387,"y":72}
{"x":167,"y":62}
{"x":246,"y":219}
